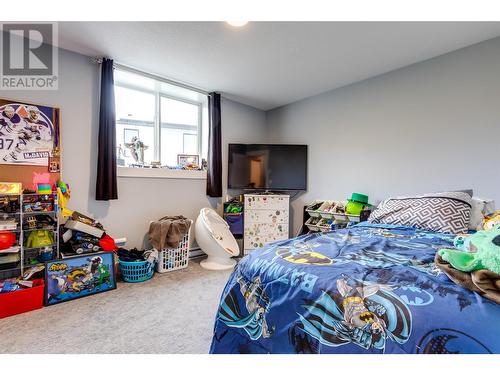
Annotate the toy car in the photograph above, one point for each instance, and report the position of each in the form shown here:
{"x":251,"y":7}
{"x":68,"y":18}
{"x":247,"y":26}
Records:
{"x":83,"y":243}
{"x":84,"y":247}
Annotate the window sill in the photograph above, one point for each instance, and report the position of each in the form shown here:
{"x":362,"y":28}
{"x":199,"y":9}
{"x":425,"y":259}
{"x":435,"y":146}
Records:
{"x":160,"y":173}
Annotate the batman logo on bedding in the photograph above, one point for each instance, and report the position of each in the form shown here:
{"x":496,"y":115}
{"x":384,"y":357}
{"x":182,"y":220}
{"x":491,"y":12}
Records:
{"x":379,"y":259}
{"x":252,"y":317}
{"x":450,"y":341}
{"x":302,"y":253}
{"x":364,"y":314}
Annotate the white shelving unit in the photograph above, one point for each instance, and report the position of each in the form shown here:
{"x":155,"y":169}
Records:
{"x":22,"y":230}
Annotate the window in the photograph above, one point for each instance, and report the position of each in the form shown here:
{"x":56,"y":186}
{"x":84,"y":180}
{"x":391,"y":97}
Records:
{"x":157,"y":121}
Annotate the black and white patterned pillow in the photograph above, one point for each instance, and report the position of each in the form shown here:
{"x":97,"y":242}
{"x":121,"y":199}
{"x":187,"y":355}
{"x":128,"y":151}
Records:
{"x":447,"y":212}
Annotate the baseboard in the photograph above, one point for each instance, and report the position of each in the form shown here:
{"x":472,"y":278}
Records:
{"x":196,"y":253}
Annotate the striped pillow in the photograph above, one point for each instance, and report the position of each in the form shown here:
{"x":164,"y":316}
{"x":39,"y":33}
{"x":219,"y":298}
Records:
{"x":447,"y":212}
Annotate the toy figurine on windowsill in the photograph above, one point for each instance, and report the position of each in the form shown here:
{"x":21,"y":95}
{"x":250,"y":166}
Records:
{"x":137,"y":148}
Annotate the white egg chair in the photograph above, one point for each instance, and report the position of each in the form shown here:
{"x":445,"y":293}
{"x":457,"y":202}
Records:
{"x":215,"y":239}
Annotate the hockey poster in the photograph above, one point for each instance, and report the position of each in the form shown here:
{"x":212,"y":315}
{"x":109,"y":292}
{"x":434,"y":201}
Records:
{"x":29,"y":133}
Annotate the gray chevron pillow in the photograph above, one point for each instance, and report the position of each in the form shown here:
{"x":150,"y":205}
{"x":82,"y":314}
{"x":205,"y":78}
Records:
{"x":447,"y":212}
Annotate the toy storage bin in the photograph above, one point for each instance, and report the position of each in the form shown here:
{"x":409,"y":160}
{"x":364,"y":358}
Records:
{"x":325,"y":225}
{"x":175,"y":258}
{"x":10,"y":273}
{"x":21,"y":301}
{"x":235,"y":222}
{"x":314,"y":213}
{"x":312,"y":224}
{"x":136,"y":272}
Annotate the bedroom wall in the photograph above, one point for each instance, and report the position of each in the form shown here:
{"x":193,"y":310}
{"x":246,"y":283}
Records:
{"x":140,"y":199}
{"x":428,"y":127}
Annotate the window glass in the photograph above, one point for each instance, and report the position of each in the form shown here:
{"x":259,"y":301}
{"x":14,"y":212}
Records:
{"x":156,"y":121}
{"x":131,"y":79}
{"x":135,"y":115}
{"x":178,"y":112}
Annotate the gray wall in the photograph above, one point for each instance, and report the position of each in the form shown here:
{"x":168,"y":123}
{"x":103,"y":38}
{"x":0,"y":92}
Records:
{"x":140,"y":199}
{"x":428,"y":127}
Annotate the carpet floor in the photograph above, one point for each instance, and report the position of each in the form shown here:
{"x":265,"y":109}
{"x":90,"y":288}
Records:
{"x":172,"y":313}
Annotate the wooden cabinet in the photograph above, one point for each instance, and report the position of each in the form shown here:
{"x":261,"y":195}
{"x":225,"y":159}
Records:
{"x":266,"y":218}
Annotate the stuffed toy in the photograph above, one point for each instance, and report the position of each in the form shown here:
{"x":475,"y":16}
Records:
{"x":491,"y":220}
{"x":484,"y":247}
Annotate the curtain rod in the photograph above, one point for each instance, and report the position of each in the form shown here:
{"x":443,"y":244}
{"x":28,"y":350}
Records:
{"x":97,"y":60}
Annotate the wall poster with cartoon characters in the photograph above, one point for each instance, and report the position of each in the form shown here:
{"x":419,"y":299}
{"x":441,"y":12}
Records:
{"x":29,"y":133}
{"x":79,"y":276}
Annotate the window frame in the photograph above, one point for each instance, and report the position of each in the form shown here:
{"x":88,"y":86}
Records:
{"x":125,"y":171}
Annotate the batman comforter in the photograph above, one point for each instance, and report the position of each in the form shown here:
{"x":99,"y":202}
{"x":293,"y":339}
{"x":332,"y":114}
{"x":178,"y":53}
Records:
{"x":366,"y":289}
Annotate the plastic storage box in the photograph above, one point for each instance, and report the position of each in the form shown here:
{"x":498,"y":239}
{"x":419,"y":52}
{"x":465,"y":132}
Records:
{"x":21,"y":301}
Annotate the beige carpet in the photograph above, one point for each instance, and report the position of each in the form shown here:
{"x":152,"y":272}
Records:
{"x":172,"y":313}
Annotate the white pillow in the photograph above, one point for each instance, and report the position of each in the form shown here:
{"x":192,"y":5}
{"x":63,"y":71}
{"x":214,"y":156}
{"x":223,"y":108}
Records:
{"x":480,"y":208}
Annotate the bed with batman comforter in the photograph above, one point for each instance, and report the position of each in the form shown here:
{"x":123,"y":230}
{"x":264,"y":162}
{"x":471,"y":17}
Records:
{"x":370,"y":288}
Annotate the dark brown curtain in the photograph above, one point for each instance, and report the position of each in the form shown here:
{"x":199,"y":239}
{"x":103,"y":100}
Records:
{"x":214,"y":171}
{"x":106,"y":186}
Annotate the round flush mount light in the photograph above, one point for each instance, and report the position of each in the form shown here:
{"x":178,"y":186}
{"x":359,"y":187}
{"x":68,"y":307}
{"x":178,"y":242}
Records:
{"x":237,"y":23}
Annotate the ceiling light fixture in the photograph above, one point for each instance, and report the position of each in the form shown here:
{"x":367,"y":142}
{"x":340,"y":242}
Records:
{"x":237,"y":23}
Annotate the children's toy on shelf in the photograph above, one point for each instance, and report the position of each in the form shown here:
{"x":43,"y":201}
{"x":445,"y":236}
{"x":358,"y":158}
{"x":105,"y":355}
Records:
{"x":325,"y":224}
{"x":9,"y":204}
{"x":356,"y":204}
{"x":64,"y":194}
{"x":39,"y":238}
{"x":44,"y":189}
{"x":7,"y":223}
{"x":7,"y":239}
{"x":38,"y":203}
{"x":10,"y":188}
{"x":40,"y":179}
{"x":41,"y":221}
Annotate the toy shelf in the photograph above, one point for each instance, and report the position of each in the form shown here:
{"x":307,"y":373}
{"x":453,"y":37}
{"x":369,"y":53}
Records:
{"x":28,"y":256}
{"x":39,"y":212}
{"x":325,"y":215}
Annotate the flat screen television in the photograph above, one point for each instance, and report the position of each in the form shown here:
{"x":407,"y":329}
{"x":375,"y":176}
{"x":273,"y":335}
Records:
{"x":267,"y":167}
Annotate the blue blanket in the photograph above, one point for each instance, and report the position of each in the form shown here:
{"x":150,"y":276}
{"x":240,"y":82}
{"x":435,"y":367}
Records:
{"x":366,"y":289}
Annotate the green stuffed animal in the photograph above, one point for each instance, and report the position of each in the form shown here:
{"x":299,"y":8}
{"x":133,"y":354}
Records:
{"x":485,"y":252}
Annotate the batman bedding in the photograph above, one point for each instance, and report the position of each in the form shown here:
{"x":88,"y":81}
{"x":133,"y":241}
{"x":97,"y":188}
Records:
{"x":370,"y":288}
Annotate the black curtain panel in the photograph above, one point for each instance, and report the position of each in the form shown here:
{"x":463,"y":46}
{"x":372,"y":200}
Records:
{"x":106,"y":186}
{"x":214,"y":171}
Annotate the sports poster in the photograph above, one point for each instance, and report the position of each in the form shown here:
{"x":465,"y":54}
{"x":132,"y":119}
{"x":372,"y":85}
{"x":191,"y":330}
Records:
{"x":29,"y":133}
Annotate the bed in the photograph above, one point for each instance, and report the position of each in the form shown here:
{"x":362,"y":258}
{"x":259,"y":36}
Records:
{"x":370,"y":288}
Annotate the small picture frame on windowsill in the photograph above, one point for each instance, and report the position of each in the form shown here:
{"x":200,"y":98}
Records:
{"x":188,"y":161}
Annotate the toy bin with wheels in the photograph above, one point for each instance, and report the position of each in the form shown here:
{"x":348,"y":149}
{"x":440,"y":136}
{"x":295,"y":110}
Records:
{"x":22,"y":301}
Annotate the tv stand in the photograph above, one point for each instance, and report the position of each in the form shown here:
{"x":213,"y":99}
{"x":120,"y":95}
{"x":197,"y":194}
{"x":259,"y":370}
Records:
{"x":266,"y":218}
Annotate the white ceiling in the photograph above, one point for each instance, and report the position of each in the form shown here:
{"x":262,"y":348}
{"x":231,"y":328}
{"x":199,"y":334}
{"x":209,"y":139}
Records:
{"x":270,"y":64}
